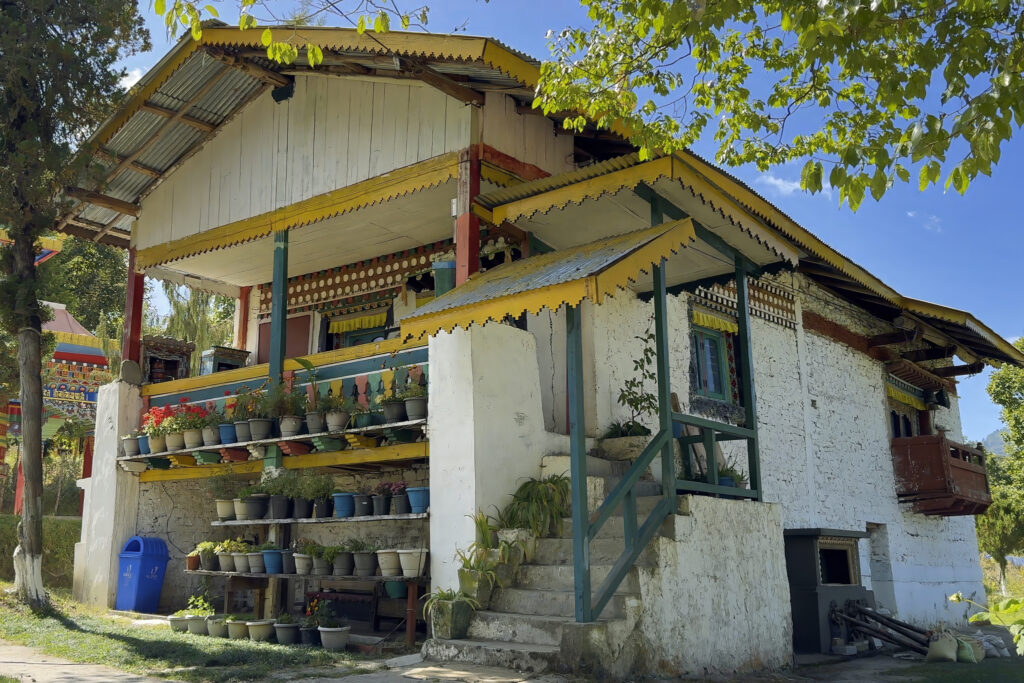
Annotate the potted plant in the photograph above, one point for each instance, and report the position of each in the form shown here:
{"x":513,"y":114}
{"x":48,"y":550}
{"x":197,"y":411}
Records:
{"x":389,"y":563}
{"x":216,"y":626}
{"x":360,"y":415}
{"x":343,"y":562}
{"x":255,"y":501}
{"x":241,"y":412}
{"x":314,"y":409}
{"x":363,"y":506}
{"x":260,"y":630}
{"x":415,"y":397}
{"x":399,"y":498}
{"x":382,"y":499}
{"x":394,"y":408}
{"x":287,"y":561}
{"x":190,"y":419}
{"x":419,"y":498}
{"x":287,"y":406}
{"x":321,"y":566}
{"x":223,"y":488}
{"x":130,"y":445}
{"x":196,"y":611}
{"x":308,"y":631}
{"x":305,"y":551}
{"x":315,"y":492}
{"x":272,"y":563}
{"x":344,"y":504}
{"x":260,"y":424}
{"x":336,"y":412}
{"x":237,"y":627}
{"x":287,"y":629}
{"x":412,"y":561}
{"x":142,"y":442}
{"x":211,"y":428}
{"x":396,"y":589}
{"x":449,"y":613}
{"x":364,"y":556}
{"x":256,"y":565}
{"x":153,"y":426}
{"x":226,"y":431}
{"x":224,"y":557}
{"x":240,"y":555}
{"x":517,"y":537}
{"x":280,"y":489}
{"x":333,"y":636}
{"x":539,"y":505}
{"x":179,"y":621}
{"x":192,"y":561}
{"x":477,"y":578}
{"x":207,"y":555}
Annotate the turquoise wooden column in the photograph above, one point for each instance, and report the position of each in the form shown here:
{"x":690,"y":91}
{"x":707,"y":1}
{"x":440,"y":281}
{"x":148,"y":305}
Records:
{"x":578,"y":462}
{"x":279,"y":305}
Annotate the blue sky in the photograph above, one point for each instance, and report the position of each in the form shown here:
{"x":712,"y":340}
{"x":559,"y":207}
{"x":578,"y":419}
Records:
{"x":962,"y":252}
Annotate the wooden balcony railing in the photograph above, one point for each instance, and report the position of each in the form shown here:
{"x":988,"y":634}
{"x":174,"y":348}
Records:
{"x":939,"y":476}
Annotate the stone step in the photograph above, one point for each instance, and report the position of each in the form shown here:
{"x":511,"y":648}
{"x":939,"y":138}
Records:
{"x":517,"y":628}
{"x":596,"y":467}
{"x":599,"y":488}
{"x":562,"y":577}
{"x":552,"y":603}
{"x":558,"y":551}
{"x":613,"y":527}
{"x":530,"y":657}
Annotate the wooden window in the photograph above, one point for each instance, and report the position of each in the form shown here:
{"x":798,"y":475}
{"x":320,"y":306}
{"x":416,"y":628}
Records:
{"x":711,"y":362}
{"x":296,"y":339}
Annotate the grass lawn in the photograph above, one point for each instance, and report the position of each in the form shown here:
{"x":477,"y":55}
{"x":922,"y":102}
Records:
{"x":985,"y":671}
{"x":82,"y":634}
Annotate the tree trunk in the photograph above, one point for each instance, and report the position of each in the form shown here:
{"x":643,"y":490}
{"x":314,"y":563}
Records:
{"x":28,"y":556}
{"x":1002,"y":578}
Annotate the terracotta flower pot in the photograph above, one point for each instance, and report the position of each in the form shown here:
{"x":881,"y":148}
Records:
{"x":191,"y":562}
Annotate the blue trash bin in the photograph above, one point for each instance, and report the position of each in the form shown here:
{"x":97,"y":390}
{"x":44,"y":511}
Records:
{"x":141,"y":575}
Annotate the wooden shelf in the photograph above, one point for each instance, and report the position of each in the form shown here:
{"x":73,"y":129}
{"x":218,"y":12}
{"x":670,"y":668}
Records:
{"x":359,"y":431}
{"x":331,"y":577}
{"x":322,"y":520}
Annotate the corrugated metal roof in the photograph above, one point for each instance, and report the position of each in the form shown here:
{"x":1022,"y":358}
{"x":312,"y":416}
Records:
{"x":554,"y":182}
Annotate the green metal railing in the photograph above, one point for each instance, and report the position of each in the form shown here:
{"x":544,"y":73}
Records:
{"x":589,"y":603}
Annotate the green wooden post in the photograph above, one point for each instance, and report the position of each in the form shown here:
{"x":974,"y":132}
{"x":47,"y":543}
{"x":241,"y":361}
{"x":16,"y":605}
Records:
{"x":668,"y":465}
{"x":279,"y":305}
{"x":746,"y":359}
{"x":578,"y":463}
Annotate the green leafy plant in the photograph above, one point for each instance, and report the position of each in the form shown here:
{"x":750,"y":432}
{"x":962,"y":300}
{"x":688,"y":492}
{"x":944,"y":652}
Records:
{"x":330,"y":552}
{"x":282,"y":484}
{"x":414,"y":391}
{"x":286,"y":618}
{"x":1008,"y":613}
{"x":447,"y":595}
{"x":484,"y":529}
{"x":223,"y":486}
{"x":203,"y":548}
{"x":304,"y":546}
{"x":333,"y":403}
{"x":634,"y":394}
{"x":729,"y":469}
{"x":539,"y":505}
{"x":311,"y":376}
{"x":266,"y":546}
{"x":214,"y":419}
{"x":356,"y":408}
{"x":282,"y":400}
{"x":246,"y":404}
{"x":363,"y":545}
{"x":251,"y":490}
{"x":234,"y":617}
{"x":198,"y":605}
{"x":478,"y":559}
{"x":232,"y":546}
{"x":313,"y":486}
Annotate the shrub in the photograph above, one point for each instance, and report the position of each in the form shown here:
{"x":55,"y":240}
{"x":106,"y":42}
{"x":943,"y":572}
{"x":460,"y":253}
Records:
{"x":59,"y":535}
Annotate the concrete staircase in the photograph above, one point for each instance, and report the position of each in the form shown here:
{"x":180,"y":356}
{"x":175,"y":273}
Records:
{"x":530,"y":625}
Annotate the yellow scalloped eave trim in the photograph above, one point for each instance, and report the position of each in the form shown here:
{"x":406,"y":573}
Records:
{"x":403,"y":181}
{"x":49,"y":243}
{"x":595,"y":287}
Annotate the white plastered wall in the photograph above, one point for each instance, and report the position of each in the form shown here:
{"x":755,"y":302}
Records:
{"x":111,"y":498}
{"x":486,"y":432}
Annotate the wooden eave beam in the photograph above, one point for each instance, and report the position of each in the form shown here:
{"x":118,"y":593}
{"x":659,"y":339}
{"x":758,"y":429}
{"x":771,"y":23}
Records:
{"x":934,"y":353}
{"x":940,"y":338}
{"x":134,"y":166}
{"x":443,"y":83}
{"x":254,"y":70}
{"x":170,"y":113}
{"x":897,"y":337}
{"x":957,"y":370}
{"x":106,"y":201}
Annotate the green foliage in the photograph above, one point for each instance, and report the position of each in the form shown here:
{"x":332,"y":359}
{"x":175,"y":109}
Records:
{"x":282,"y":484}
{"x":333,"y":403}
{"x":1006,"y":387}
{"x":634,"y":394}
{"x":484,"y":529}
{"x":414,"y":391}
{"x":232,"y":546}
{"x":285,"y":618}
{"x":59,"y":558}
{"x":199,"y":317}
{"x":330,"y":552}
{"x":282,"y":400}
{"x":889,"y":85}
{"x":539,"y":505}
{"x":311,"y":375}
{"x":199,"y":605}
{"x":312,"y":486}
{"x":363,"y":545}
{"x":90,"y":279}
{"x":204,"y":547}
{"x":1008,"y":613}
{"x":1001,"y":528}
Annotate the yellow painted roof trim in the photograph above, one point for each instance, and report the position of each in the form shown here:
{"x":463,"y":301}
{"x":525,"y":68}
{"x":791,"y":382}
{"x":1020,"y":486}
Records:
{"x":606,"y":283}
{"x":48,"y":243}
{"x":631,"y":176}
{"x":958,"y":317}
{"x":406,"y":180}
{"x":84,"y":340}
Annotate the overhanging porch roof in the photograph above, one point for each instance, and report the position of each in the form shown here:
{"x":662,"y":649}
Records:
{"x":590,"y":271}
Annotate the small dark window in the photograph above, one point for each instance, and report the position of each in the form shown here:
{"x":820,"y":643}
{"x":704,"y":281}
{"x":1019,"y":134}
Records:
{"x":907,"y":429}
{"x":710,"y":361}
{"x":835,"y":565}
{"x":895,"y":419}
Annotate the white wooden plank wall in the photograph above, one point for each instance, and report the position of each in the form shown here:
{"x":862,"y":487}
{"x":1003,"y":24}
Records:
{"x":332,"y":133}
{"x":526,"y":137}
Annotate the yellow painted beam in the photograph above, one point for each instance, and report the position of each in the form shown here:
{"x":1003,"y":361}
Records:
{"x":261,"y":372}
{"x":398,"y":453}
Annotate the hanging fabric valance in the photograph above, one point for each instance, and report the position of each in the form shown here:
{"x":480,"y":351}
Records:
{"x":361,"y":323}
{"x":714,"y":322}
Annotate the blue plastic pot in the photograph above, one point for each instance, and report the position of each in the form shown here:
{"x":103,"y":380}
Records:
{"x":344,"y":504}
{"x":144,"y":445}
{"x":272,"y":562}
{"x":419,"y":498}
{"x":396,"y":589}
{"x":227,"y":433}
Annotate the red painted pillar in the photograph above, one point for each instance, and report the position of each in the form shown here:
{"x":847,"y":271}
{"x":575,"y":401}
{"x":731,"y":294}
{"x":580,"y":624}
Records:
{"x":467,"y":224}
{"x":244,"y":294}
{"x":86,"y":469}
{"x":131,"y":341}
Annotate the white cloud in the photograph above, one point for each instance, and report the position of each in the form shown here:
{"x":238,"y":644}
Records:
{"x":911,"y":214}
{"x":131,"y":78}
{"x":779,"y":185}
{"x":934,"y":224}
